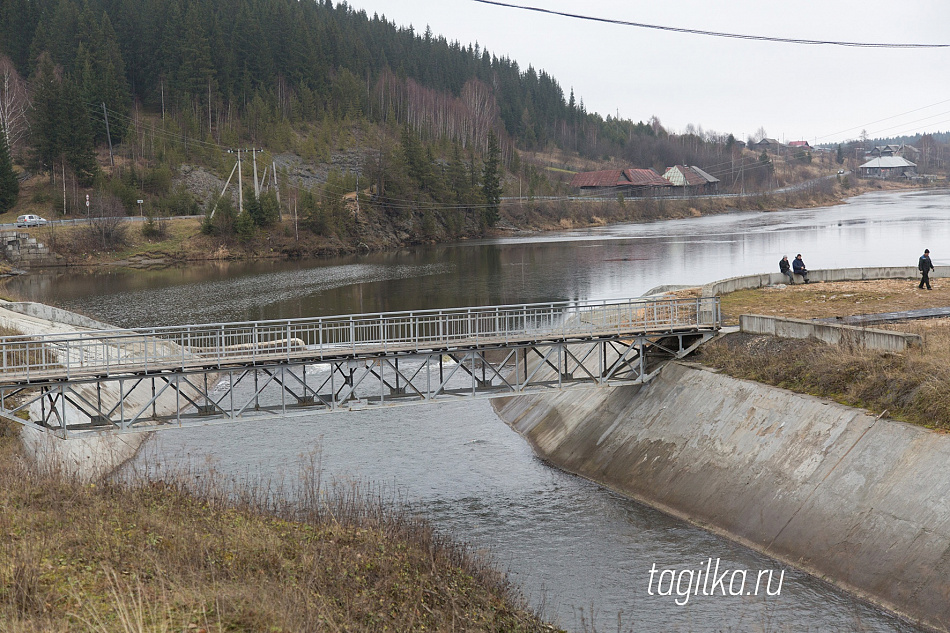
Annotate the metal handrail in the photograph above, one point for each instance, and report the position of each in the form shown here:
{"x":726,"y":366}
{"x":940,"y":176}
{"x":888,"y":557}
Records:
{"x":121,"y":350}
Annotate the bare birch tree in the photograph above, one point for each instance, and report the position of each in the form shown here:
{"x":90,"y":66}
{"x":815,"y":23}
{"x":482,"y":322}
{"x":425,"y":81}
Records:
{"x":14,"y":104}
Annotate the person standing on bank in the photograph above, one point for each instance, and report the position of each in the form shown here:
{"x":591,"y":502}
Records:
{"x":786,"y":269}
{"x":924,"y":265}
{"x":799,"y":267}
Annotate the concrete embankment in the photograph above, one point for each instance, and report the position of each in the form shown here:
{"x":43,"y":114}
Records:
{"x":90,"y":456}
{"x":859,"y":501}
{"x":830,"y":333}
{"x":746,"y":282}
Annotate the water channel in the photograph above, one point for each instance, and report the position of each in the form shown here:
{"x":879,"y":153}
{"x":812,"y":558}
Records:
{"x":582,"y":553}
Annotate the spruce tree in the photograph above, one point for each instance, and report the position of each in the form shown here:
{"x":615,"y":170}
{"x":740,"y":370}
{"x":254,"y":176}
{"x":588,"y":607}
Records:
{"x":9,"y":187}
{"x":45,"y":117}
{"x":491,"y":181}
{"x":101,"y":73}
{"x":78,"y":147}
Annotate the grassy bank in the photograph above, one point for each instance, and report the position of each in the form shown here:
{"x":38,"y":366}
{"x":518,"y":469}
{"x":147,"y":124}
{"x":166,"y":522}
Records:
{"x":913,"y":386}
{"x":184,"y":552}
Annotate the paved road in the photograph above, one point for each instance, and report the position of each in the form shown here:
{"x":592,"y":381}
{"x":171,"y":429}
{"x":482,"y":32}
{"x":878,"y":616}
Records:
{"x":10,"y":226}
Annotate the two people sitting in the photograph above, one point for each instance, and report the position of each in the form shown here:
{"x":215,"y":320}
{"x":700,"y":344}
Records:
{"x":797,"y":267}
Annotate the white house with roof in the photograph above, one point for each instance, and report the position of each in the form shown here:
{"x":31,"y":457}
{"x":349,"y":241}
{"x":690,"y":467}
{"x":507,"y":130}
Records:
{"x":888,"y":167}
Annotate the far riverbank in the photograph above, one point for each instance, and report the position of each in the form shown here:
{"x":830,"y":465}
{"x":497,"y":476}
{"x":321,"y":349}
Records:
{"x":181,"y":242}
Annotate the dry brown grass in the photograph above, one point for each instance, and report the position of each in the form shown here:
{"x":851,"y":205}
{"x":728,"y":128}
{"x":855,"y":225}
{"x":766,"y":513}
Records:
{"x":913,"y":386}
{"x":841,"y":298}
{"x":188,"y":553}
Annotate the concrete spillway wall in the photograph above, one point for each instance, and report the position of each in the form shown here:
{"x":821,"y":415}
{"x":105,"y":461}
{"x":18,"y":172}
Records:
{"x":91,"y":456}
{"x":746,"y":282}
{"x":859,"y":501}
{"x":831,"y":333}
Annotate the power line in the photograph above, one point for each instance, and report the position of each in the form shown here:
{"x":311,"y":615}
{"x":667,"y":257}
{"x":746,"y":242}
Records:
{"x":738,"y":36}
{"x":866,"y":125}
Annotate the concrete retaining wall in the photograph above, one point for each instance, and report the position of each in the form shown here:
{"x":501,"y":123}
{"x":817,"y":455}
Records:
{"x":724,"y":286}
{"x":831,"y":333}
{"x":91,"y":456}
{"x":54,"y":315}
{"x":862,"y":502}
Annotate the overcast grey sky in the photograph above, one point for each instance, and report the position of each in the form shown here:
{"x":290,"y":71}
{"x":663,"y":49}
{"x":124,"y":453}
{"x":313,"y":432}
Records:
{"x":795,"y":92}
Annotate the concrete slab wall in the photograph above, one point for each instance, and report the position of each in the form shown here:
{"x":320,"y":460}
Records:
{"x":91,"y":456}
{"x":55,"y":315}
{"x":831,"y":333}
{"x":732,"y":284}
{"x":861,"y":502}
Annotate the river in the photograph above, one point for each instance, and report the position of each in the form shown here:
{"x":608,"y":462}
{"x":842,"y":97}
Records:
{"x":582,"y":554}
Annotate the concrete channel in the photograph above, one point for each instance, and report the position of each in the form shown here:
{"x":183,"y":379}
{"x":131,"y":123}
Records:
{"x":862,"y":502}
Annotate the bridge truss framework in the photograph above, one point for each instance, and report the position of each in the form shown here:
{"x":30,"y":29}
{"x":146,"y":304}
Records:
{"x":140,"y":380}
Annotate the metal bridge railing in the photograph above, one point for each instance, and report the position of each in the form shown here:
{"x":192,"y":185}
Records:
{"x":107,"y":352}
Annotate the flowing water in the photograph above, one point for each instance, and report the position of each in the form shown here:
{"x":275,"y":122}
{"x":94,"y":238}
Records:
{"x":581,"y":553}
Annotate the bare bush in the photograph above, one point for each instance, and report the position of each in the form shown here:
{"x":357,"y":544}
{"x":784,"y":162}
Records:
{"x":109,"y":230}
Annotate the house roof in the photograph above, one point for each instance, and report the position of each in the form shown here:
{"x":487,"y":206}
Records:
{"x":888,"y":162}
{"x":607,"y":178}
{"x":798,"y":144}
{"x":769,"y":141}
{"x":681,"y":175}
{"x":619,"y":178}
{"x":646,"y":178}
{"x":704,"y":175}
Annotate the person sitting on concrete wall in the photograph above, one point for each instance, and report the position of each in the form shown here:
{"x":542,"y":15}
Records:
{"x":786,"y":269}
{"x":799,"y":267}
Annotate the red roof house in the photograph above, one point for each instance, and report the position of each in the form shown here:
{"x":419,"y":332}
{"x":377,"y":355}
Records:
{"x":626,"y":181}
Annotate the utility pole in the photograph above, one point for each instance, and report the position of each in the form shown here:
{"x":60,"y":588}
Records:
{"x":257,"y":190}
{"x":280,"y":214}
{"x":240,"y":186}
{"x":108,"y":135}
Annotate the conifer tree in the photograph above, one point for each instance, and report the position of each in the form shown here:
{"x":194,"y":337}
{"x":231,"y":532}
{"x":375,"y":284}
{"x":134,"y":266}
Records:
{"x":60,"y":124}
{"x":491,"y":180}
{"x":270,"y":208}
{"x":101,"y":73}
{"x":9,"y":187}
{"x":45,"y":121}
{"x":78,"y":147}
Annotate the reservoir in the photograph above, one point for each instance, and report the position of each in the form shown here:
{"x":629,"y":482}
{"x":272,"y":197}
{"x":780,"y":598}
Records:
{"x":580,"y":553}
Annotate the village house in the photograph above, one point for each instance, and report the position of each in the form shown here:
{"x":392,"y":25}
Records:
{"x":888,"y":167}
{"x":626,"y":182}
{"x":906,"y":151}
{"x":769,"y":145}
{"x":693,"y":180}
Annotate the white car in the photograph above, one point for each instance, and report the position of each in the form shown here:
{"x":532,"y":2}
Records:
{"x":30,"y":220}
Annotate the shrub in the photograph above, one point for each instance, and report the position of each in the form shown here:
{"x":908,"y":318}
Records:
{"x":155,"y":228}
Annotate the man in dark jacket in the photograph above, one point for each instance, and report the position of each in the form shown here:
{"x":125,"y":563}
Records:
{"x":924,"y":265}
{"x":786,"y":269}
{"x":799,"y":267}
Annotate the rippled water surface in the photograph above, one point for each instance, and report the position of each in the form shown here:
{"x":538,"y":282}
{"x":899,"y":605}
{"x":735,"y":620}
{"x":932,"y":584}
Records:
{"x":581,"y":552}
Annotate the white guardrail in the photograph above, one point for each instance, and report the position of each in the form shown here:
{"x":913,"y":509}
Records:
{"x":107,"y":352}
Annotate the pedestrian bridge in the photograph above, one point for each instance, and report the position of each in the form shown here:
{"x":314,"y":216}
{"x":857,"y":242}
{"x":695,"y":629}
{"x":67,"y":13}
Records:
{"x":124,"y":380}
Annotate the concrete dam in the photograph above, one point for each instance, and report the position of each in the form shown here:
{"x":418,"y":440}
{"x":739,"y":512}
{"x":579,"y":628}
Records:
{"x":862,"y":502}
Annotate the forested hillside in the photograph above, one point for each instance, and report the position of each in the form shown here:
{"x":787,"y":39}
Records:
{"x":162,"y":83}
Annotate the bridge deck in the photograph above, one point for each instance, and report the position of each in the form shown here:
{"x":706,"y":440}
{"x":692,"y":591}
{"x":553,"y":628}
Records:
{"x":133,"y":380}
{"x":108,"y":353}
